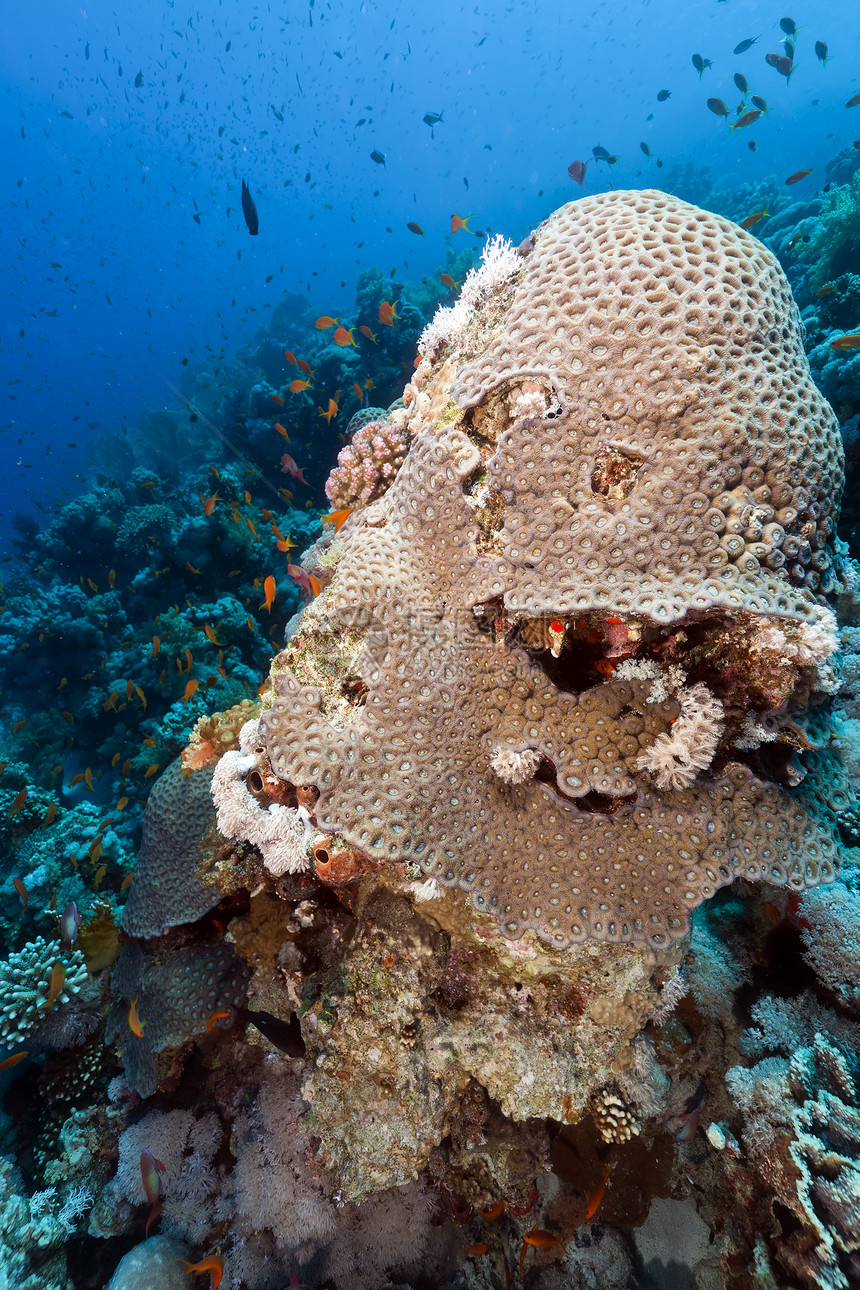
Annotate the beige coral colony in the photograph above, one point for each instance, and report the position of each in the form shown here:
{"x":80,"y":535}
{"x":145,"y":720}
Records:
{"x":565,"y":678}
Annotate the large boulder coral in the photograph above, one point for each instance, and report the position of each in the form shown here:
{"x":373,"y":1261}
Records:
{"x":617,"y":453}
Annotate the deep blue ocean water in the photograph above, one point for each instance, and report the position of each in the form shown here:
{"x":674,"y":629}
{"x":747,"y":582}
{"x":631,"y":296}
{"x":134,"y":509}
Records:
{"x":122,"y":121}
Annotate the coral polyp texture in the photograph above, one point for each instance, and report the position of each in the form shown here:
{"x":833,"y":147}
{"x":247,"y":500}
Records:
{"x":619,"y":458}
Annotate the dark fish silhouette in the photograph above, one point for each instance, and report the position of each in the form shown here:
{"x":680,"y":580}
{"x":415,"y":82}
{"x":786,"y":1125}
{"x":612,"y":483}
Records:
{"x":286,"y":1035}
{"x":745,"y":45}
{"x":700,"y":63}
{"x":576,"y":170}
{"x":249,"y":210}
{"x":378,"y":157}
{"x":718,"y":107}
{"x":664,"y":95}
{"x":432,"y":118}
{"x":821,"y":52}
{"x":788,"y":26}
{"x":741,"y":82}
{"x":138,"y":80}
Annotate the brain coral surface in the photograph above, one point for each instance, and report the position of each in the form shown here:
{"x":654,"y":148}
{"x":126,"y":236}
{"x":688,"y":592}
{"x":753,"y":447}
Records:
{"x":626,"y":427}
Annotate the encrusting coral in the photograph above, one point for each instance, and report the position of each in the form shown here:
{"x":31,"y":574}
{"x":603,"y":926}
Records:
{"x":643,"y":510}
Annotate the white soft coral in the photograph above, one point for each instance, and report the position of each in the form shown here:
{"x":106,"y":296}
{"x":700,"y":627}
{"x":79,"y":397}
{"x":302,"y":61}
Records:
{"x":499,"y":262}
{"x":675,"y":758}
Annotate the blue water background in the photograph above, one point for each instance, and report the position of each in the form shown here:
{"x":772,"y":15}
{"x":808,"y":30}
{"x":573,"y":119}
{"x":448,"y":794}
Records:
{"x":109,"y":282}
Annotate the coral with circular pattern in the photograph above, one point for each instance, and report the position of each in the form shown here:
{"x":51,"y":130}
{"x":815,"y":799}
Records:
{"x":621,"y":455}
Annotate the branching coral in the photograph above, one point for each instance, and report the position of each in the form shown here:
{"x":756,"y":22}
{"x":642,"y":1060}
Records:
{"x":25,"y":984}
{"x":367,"y":465}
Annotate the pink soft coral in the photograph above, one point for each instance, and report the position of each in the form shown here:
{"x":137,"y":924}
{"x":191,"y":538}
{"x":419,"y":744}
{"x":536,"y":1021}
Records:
{"x":367,"y":465}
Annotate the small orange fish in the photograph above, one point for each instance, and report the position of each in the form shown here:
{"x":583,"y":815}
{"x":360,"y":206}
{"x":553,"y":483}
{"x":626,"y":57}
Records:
{"x":276,"y":398}
{"x":330,"y":412}
{"x":98,"y":875}
{"x":846,"y":342}
{"x":252,"y":626}
{"x":753,"y":219}
{"x":8,"y":1062}
{"x":151,"y":770}
{"x":190,"y":689}
{"x":448,"y":281}
{"x":51,"y":813}
{"x":597,"y":1195}
{"x":457,"y":222}
{"x":212,"y":1264}
{"x":825,"y":290}
{"x":539,"y":1238}
{"x":122,"y":804}
{"x":476,"y":1250}
{"x":88,"y":779}
{"x":19,"y":725}
{"x":284,"y":544}
{"x":140,"y":694}
{"x":492,"y":1211}
{"x":251,"y":529}
{"x":22,"y":892}
{"x":208,"y":503}
{"x":270,"y":588}
{"x":58,"y":980}
{"x":111,"y":578}
{"x":797,"y":176}
{"x":365,"y":331}
{"x":190,"y":567}
{"x":18,"y":803}
{"x":156,"y":645}
{"x":216,"y":1016}
{"x":290,"y":357}
{"x":337,"y":518}
{"x":388,"y":313}
{"x":298,"y":387}
{"x":210,"y":634}
{"x":358,"y":392}
{"x":280,"y":429}
{"x":343,"y":337}
{"x":126,"y":882}
{"x":95,"y":851}
{"x":135,"y":1024}
{"x":325,"y":321}
{"x":67,"y":716}
{"x":304,"y":366}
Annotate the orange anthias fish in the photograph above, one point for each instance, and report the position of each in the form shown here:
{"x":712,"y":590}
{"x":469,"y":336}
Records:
{"x":457,"y":222}
{"x":216,"y":1016}
{"x":19,"y":801}
{"x":492,"y":1211}
{"x":208,"y":503}
{"x":846,"y":342}
{"x":797,"y":176}
{"x":304,"y":366}
{"x":58,"y":980}
{"x":448,"y":281}
{"x":298,"y":387}
{"x":135,"y":1024}
{"x":281,"y":431}
{"x":331,"y":411}
{"x":476,"y":1250}
{"x":304,"y":579}
{"x":290,"y":467}
{"x":337,"y":518}
{"x":8,"y":1062}
{"x":22,"y":892}
{"x":826,"y":290}
{"x":323,"y":323}
{"x":388,"y":314}
{"x":276,"y":398}
{"x":365,"y":331}
{"x":150,"y":1173}
{"x":190,"y":689}
{"x":212,"y":1264}
{"x":270,"y":588}
{"x":597,"y":1195}
{"x":343,"y":337}
{"x":541,"y":1240}
{"x":290,"y":357}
